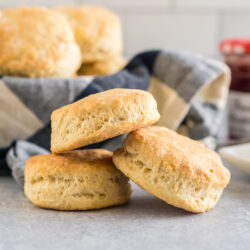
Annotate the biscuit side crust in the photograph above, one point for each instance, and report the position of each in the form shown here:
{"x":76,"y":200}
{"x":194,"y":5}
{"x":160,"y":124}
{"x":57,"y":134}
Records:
{"x":178,"y":153}
{"x":172,"y":187}
{"x":181,"y":171}
{"x":69,"y":182}
{"x":101,"y":116}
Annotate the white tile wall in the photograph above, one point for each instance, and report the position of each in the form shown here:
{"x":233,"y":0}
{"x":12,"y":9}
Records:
{"x":235,"y":25}
{"x":129,"y":4}
{"x":11,"y":3}
{"x":171,"y":31}
{"x":196,"y":25}
{"x":222,"y":4}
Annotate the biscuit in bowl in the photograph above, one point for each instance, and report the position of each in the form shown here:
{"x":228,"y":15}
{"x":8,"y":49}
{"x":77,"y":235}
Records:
{"x":107,"y":66}
{"x":101,"y":116}
{"x":37,"y":42}
{"x":77,"y":180}
{"x":176,"y":169}
{"x":97,"y":31}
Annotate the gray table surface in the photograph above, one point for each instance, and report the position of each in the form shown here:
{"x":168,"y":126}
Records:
{"x":144,"y":223}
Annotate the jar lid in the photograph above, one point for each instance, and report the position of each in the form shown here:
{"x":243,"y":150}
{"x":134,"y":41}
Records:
{"x":235,"y":46}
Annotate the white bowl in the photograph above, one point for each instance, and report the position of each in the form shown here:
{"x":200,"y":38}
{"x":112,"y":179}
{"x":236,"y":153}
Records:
{"x":237,"y":156}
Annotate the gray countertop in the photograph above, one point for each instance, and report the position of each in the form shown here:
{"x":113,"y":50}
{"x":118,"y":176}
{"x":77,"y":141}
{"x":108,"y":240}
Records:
{"x":144,"y":223}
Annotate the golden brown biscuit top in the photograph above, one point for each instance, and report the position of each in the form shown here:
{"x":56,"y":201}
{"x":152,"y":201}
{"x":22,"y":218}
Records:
{"x":178,"y":152}
{"x":91,"y":22}
{"x":97,"y":31}
{"x":29,"y":34}
{"x":70,"y":163}
{"x":109,"y":100}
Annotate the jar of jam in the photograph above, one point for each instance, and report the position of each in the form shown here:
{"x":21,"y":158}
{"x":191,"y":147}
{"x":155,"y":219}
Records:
{"x":236,"y":54}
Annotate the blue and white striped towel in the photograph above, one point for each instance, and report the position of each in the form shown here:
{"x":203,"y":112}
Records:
{"x":191,"y":92}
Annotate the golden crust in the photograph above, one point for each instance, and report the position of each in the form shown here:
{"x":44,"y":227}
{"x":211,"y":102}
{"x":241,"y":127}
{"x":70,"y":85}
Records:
{"x":180,"y":153}
{"x":77,"y":180}
{"x":37,"y":42}
{"x":107,"y":66}
{"x":97,"y":31}
{"x":169,"y":165}
{"x":89,"y":160}
{"x":101,"y":116}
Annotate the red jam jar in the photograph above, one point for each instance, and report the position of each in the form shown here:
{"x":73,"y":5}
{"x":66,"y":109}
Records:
{"x":236,"y":54}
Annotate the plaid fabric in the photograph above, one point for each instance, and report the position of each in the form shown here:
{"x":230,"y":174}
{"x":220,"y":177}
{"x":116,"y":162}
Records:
{"x":190,"y":90}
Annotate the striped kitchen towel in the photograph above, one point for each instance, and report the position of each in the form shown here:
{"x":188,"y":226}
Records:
{"x":190,"y":90}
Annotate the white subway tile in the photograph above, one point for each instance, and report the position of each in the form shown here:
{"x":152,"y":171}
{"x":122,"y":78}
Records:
{"x":235,"y":25}
{"x":49,"y":3}
{"x":127,"y":3}
{"x":224,"y":4}
{"x":171,"y":31}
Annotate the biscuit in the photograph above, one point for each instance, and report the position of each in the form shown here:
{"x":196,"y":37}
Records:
{"x":97,"y":31}
{"x":77,"y":180}
{"x":101,"y":116}
{"x":176,"y":169}
{"x":37,"y":42}
{"x":107,"y":66}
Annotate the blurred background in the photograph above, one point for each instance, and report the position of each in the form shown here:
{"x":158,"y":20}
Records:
{"x":196,"y":25}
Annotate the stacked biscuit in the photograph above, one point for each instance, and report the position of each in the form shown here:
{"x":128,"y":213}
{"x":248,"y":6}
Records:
{"x":178,"y":170}
{"x":41,"y":42}
{"x":98,"y":33}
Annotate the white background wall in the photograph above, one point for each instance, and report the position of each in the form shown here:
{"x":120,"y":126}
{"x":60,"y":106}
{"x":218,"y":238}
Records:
{"x":196,"y":25}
